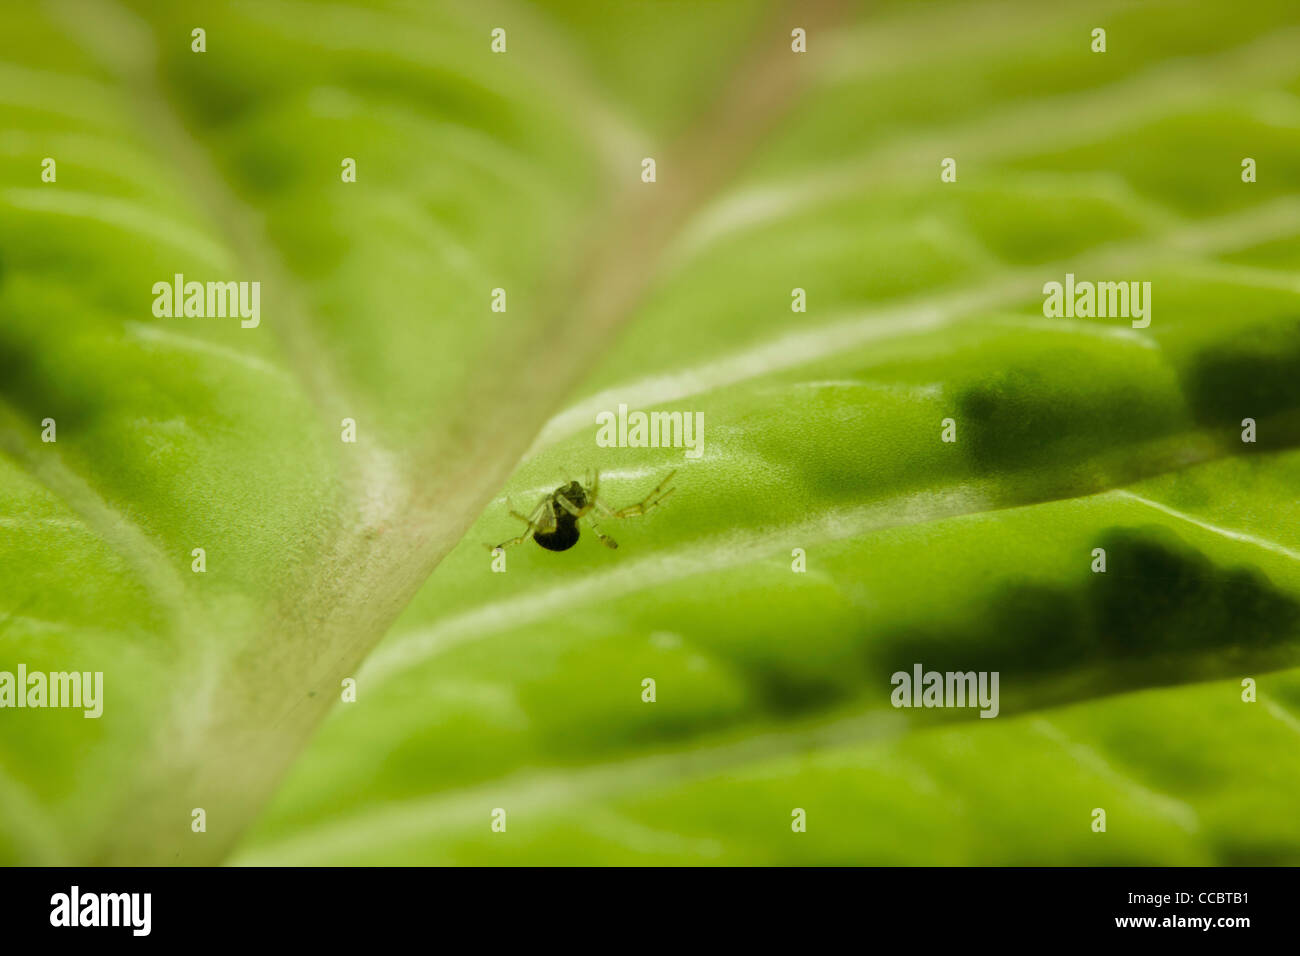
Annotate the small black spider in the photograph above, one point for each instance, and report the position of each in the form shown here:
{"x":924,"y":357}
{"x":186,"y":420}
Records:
{"x":554,"y":522}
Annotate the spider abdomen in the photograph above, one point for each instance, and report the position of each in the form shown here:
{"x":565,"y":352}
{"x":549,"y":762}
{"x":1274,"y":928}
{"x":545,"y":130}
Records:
{"x":565,"y":534}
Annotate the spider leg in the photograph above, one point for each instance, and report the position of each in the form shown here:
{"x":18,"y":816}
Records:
{"x":544,"y":516}
{"x":537,"y":522}
{"x":494,"y":548}
{"x":605,"y":539}
{"x":570,"y":507}
{"x":650,"y":501}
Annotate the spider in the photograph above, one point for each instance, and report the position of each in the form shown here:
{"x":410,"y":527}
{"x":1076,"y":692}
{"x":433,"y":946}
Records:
{"x":554,"y":522}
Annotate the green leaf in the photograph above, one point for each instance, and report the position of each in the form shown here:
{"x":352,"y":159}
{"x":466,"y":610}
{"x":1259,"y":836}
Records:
{"x":522,"y":690}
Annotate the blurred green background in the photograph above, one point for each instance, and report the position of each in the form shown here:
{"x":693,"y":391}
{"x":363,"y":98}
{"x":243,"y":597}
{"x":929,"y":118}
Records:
{"x":522,"y":690}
